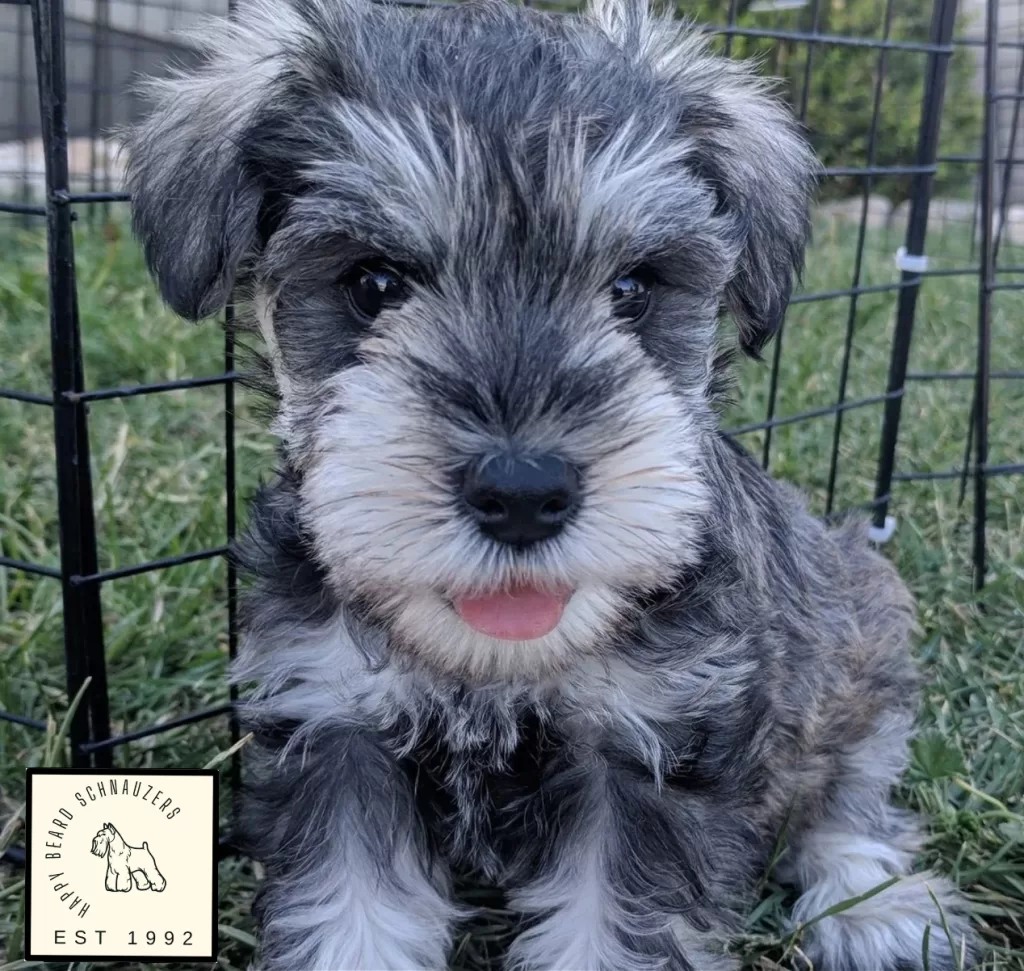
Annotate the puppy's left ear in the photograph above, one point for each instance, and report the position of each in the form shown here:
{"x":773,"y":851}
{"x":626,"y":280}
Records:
{"x":747,"y":145}
{"x":764,"y":173}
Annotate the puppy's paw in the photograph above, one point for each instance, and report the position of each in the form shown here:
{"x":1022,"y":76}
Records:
{"x":887,"y":932}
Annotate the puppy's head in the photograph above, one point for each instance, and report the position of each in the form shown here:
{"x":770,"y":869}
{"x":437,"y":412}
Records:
{"x":488,"y":249}
{"x":101,"y":840}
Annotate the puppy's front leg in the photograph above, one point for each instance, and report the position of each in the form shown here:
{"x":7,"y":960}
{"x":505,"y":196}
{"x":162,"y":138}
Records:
{"x":350,"y":884}
{"x":628,"y":877}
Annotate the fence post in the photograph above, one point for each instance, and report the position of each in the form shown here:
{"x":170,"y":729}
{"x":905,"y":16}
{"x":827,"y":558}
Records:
{"x":941,"y":35}
{"x":83,"y":623}
{"x":987,"y":253}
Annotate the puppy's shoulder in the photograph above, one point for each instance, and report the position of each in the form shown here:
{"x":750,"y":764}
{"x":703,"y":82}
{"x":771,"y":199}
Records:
{"x":830,"y":580}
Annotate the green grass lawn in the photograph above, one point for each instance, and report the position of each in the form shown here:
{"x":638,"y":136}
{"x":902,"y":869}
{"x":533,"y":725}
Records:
{"x":158,"y":469}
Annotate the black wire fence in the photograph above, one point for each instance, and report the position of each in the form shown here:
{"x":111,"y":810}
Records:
{"x":64,"y":83}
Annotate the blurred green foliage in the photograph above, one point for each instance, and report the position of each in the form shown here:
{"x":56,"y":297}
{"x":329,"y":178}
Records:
{"x":835,"y":92}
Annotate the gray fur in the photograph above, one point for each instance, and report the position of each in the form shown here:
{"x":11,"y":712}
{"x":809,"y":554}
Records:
{"x":726,"y":664}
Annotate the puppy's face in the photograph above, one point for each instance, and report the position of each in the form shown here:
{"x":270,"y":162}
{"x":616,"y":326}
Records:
{"x":100,"y":842}
{"x":488,"y":250}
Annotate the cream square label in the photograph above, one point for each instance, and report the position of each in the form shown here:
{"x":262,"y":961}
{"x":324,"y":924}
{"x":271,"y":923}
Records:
{"x":122,"y":865}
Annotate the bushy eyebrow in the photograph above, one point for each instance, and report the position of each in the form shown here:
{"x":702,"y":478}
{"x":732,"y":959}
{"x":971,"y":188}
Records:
{"x":322,"y":237}
{"x":421,"y":194}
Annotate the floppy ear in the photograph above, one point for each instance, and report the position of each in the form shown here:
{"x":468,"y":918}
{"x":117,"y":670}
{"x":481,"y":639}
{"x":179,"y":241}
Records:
{"x":195,"y":207}
{"x":748,"y":146}
{"x":765,"y":174}
{"x":194,"y":211}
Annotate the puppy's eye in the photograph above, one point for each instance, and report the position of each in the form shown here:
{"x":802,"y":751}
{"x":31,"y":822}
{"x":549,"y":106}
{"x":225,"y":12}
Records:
{"x":374,"y":286}
{"x":630,"y":294}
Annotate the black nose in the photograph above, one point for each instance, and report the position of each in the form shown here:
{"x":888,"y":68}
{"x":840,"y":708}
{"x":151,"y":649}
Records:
{"x":522,"y":500}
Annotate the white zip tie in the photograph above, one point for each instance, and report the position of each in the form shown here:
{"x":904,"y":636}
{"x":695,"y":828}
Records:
{"x":911,"y":264}
{"x":882,"y":534}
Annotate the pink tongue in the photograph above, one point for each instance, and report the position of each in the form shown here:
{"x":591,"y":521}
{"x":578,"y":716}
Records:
{"x":515,"y":615}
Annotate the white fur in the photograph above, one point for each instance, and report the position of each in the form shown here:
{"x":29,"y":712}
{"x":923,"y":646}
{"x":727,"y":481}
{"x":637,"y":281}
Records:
{"x":581,"y":915}
{"x":834,"y":866}
{"x":355,"y":917}
{"x":578,"y":931}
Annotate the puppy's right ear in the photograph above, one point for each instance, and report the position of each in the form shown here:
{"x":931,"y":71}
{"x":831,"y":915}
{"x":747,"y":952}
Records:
{"x":195,"y":207}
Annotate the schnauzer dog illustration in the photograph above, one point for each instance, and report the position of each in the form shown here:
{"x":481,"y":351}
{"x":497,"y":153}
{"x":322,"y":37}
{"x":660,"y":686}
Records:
{"x":519,"y":612}
{"x":125,"y":863}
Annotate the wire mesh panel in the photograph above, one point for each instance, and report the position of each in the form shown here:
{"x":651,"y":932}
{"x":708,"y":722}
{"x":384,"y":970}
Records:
{"x":917,"y":127}
{"x":80,"y":62}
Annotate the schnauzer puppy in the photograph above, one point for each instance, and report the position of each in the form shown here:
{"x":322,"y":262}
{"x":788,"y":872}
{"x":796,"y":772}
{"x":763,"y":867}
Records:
{"x":519,"y":612}
{"x":125,"y":863}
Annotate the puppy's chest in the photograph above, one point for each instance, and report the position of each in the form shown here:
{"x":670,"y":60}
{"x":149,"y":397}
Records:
{"x":475,"y":795}
{"x":488,"y":800}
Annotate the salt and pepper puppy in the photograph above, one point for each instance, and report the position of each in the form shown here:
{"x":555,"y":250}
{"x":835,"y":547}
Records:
{"x":518,"y":609}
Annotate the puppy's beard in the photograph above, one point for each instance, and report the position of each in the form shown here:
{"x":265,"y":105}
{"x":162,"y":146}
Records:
{"x":426,"y":624}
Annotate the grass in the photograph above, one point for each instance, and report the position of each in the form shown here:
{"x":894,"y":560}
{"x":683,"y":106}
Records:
{"x":158,"y":469}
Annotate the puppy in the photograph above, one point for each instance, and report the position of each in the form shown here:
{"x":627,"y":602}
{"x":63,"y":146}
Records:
{"x":518,"y":609}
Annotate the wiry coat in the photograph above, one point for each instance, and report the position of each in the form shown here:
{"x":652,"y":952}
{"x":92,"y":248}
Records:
{"x":726,"y":665}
